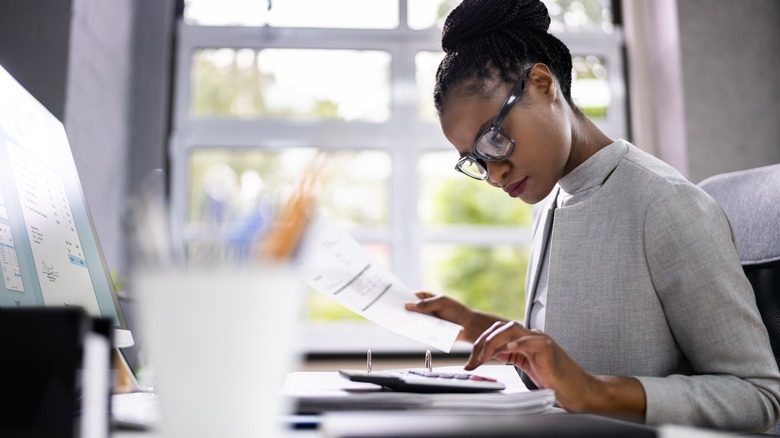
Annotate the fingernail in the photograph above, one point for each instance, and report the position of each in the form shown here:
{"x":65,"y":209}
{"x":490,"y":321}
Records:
{"x":473,"y":361}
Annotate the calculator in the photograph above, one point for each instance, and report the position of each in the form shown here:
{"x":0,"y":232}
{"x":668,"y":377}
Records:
{"x":425,"y":381}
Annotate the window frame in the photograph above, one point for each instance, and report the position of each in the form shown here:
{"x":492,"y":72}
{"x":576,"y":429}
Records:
{"x":404,"y":136}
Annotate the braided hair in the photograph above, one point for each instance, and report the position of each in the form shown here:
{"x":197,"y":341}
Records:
{"x":487,"y":39}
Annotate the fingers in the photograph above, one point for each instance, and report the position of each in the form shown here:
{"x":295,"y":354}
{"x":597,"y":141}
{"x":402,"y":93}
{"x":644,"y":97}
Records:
{"x":421,"y":294}
{"x":544,"y":361}
{"x":478,"y":351}
{"x":427,"y":303}
{"x":495,"y":340}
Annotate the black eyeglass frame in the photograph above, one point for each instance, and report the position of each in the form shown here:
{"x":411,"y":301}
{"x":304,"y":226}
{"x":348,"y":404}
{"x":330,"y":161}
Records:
{"x":478,"y":157}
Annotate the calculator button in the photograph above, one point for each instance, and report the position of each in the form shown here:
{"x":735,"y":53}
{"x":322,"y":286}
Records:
{"x":482,"y":379}
{"x":424,"y":373}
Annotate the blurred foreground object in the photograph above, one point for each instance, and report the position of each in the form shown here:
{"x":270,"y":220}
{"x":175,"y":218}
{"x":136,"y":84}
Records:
{"x":221,"y":341}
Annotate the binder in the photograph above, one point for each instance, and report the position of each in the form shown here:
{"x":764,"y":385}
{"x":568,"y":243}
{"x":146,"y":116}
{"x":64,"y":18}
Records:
{"x":322,"y":392}
{"x":56,"y":373}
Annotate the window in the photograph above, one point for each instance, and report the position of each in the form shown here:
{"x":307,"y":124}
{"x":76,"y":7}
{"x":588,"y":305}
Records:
{"x":294,"y":84}
{"x":259,"y":92}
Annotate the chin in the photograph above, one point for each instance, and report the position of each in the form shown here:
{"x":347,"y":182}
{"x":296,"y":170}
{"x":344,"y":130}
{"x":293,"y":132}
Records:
{"x":530,"y":200}
{"x":531,"y":197}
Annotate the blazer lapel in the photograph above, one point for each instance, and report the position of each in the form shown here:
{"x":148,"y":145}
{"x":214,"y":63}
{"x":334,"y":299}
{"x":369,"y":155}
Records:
{"x":541,"y":238}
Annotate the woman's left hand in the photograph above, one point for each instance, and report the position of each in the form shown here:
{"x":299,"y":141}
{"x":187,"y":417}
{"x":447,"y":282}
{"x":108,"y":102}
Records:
{"x":548,"y":365}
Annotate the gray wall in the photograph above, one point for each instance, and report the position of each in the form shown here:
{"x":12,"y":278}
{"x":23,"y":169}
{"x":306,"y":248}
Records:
{"x":97,"y":112}
{"x":152,"y":64}
{"x":731,"y":78}
{"x":34,"y":42}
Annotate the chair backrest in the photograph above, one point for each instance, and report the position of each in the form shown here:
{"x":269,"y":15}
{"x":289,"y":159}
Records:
{"x":751,"y":200}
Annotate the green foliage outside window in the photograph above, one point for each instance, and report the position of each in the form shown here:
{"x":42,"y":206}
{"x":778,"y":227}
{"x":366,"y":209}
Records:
{"x":460,"y":200}
{"x":487,"y":278}
{"x":323,"y":308}
{"x":227,"y":89}
{"x":490,"y":279}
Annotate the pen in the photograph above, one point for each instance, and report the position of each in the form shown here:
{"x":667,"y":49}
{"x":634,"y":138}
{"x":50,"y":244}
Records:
{"x":287,"y":229}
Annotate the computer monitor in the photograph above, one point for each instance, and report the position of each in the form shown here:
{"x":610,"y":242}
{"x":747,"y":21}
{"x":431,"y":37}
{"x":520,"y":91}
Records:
{"x":49,"y":252}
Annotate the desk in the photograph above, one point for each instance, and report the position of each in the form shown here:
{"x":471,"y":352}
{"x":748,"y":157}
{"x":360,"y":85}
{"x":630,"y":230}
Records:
{"x":668,"y":431}
{"x":337,"y":422}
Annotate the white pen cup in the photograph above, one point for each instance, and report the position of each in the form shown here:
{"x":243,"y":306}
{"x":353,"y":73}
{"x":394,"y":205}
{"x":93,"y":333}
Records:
{"x":221,"y":341}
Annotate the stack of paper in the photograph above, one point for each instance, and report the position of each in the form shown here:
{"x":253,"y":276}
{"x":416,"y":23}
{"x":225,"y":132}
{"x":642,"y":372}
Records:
{"x":318,"y":392}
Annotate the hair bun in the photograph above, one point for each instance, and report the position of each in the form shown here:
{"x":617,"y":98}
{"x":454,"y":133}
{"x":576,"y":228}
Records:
{"x":473,"y":19}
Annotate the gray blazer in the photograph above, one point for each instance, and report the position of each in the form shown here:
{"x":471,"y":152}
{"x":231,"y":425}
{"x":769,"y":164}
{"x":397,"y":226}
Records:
{"x":645,"y":281}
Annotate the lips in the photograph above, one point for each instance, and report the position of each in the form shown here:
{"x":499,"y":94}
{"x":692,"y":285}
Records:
{"x":515,"y":189}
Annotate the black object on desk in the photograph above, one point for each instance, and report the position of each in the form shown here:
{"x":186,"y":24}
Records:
{"x":42,"y":359}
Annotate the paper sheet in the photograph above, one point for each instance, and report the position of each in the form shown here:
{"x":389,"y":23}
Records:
{"x":333,"y":263}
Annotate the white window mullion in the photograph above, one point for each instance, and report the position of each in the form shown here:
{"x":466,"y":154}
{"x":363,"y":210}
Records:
{"x":403,"y":207}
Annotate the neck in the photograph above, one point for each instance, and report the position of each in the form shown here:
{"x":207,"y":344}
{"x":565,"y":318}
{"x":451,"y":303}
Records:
{"x":586,"y":140}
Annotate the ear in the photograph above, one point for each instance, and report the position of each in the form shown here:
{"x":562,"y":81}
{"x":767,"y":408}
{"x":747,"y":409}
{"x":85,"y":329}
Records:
{"x":541,"y":82}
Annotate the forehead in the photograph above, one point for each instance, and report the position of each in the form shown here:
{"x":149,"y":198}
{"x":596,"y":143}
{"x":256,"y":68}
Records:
{"x":465,"y":115}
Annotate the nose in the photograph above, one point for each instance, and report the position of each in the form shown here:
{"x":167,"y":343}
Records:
{"x":496,"y":171}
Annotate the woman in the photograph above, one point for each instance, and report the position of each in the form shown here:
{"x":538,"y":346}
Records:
{"x":637,"y":305}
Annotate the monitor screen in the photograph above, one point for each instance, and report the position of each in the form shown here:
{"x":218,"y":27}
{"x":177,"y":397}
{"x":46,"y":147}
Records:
{"x":49,"y":251}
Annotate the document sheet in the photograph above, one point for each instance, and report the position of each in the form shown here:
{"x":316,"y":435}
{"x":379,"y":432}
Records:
{"x":333,"y":263}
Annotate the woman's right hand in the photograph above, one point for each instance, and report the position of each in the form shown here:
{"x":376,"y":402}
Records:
{"x":441,"y":306}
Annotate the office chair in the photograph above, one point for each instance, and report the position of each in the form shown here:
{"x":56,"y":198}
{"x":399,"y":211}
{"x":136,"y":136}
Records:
{"x":751,"y":200}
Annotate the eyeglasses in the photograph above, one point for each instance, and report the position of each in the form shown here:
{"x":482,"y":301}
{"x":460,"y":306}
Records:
{"x":493,"y":144}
